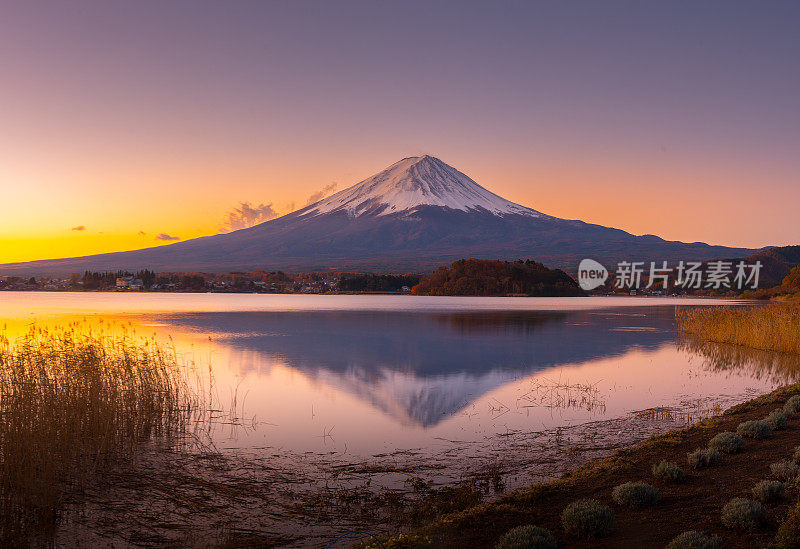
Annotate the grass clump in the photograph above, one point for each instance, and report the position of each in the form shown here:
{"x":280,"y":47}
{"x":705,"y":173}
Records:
{"x":727,"y":442}
{"x":72,"y":404}
{"x":784,"y":470}
{"x":742,"y":514}
{"x":788,"y":536}
{"x":777,"y":420}
{"x":446,"y":499}
{"x":768,"y":490}
{"x":527,"y":537}
{"x":635,"y":494}
{"x":703,"y":457}
{"x":588,"y":518}
{"x":754,"y":429}
{"x":695,"y":540}
{"x":668,"y":471}
{"x":771,"y":327}
{"x":792,"y":406}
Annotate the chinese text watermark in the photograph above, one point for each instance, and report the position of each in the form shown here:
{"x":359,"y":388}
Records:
{"x":687,"y":275}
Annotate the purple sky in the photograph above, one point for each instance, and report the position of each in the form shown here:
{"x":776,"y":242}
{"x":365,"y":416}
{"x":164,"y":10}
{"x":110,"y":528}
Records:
{"x":674,"y":118}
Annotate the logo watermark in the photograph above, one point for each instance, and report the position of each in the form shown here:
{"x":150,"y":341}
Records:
{"x":686,"y":275}
{"x":591,"y":274}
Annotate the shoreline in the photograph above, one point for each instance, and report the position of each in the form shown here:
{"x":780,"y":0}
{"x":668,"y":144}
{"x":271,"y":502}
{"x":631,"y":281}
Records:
{"x":694,"y":505}
{"x":293,"y":500}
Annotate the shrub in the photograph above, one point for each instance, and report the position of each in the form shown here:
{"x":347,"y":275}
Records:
{"x":727,"y":442}
{"x":668,"y":472}
{"x":588,"y":518}
{"x":695,"y":540}
{"x":784,"y":470}
{"x":796,"y":455}
{"x":703,"y":457}
{"x":527,"y":537}
{"x":768,"y":490}
{"x":788,"y":536}
{"x":742,"y":514}
{"x":777,"y":420}
{"x":792,"y":406}
{"x":754,"y":429}
{"x":635,"y":494}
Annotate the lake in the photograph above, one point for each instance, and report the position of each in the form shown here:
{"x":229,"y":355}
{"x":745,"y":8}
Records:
{"x":328,"y":413}
{"x":367,"y":375}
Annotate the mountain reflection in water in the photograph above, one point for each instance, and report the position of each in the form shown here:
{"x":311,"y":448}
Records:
{"x":371,"y":375}
{"x":423,"y":367}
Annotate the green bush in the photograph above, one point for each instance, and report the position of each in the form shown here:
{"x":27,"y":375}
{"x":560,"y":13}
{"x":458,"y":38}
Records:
{"x":588,"y":518}
{"x":635,"y":494}
{"x":768,"y":490}
{"x":792,"y":406}
{"x":527,"y":537}
{"x":742,"y":514}
{"x":703,"y":457}
{"x":754,"y":429}
{"x":727,"y":442}
{"x":777,"y":420}
{"x":784,"y":470}
{"x":668,"y":472}
{"x":695,"y":540}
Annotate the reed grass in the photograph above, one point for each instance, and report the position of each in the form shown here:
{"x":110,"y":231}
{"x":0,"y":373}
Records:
{"x":774,"y":327}
{"x":72,"y":403}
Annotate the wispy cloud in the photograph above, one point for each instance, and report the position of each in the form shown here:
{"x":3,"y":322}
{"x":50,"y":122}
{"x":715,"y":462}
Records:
{"x":79,"y":228}
{"x":247,"y":215}
{"x":322,"y":193}
{"x":165,"y":236}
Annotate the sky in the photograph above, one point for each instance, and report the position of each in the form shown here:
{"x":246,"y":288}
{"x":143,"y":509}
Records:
{"x":131,"y":124}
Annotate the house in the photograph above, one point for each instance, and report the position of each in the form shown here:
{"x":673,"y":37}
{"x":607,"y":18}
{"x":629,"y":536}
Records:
{"x":124,"y":282}
{"x":136,"y":284}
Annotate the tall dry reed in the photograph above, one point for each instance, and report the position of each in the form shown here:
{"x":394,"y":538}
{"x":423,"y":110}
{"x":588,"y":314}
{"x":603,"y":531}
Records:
{"x":773,"y":327}
{"x":71,"y":403}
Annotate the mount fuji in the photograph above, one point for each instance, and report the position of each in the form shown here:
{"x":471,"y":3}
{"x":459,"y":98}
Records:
{"x":417,"y":214}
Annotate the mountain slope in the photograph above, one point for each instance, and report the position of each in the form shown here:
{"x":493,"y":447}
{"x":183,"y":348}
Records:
{"x":775,"y":264}
{"x":416,"y":215}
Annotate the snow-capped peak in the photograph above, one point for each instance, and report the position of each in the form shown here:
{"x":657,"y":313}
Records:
{"x":413,"y":182}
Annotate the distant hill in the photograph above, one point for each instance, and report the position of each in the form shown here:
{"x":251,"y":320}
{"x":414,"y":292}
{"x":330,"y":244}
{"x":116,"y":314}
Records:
{"x":413,"y":216}
{"x":775,"y":264}
{"x":480,"y":277}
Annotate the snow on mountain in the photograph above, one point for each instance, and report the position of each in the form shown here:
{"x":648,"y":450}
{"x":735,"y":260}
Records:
{"x":412,"y":182}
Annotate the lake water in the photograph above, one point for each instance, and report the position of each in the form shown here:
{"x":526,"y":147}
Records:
{"x":370,"y":375}
{"x":323,"y":401}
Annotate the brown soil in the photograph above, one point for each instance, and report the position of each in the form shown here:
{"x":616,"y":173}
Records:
{"x":695,"y":504}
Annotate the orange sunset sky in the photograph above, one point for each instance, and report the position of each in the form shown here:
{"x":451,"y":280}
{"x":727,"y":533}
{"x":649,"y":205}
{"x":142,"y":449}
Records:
{"x":133,"y":120}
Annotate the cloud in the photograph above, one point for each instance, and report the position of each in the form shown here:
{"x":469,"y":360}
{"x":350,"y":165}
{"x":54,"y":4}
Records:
{"x":247,"y":215}
{"x":79,"y":228}
{"x":165,"y":236}
{"x":319,"y":195}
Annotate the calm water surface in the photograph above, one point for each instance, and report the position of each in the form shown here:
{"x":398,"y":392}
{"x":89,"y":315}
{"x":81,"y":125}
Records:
{"x":373,"y":374}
